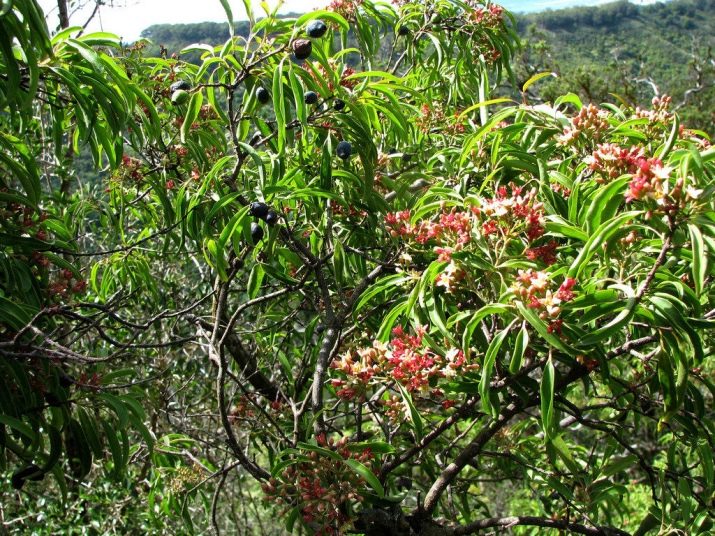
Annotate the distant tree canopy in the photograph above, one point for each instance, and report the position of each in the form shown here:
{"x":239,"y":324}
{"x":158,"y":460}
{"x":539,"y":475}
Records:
{"x":613,"y":49}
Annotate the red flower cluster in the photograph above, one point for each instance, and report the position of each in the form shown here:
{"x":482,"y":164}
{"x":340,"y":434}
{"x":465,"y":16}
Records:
{"x":511,"y":214}
{"x":453,"y":227}
{"x":650,"y":180}
{"x":535,"y":289}
{"x":130,"y":168}
{"x":404,"y":360}
{"x":489,"y":17}
{"x":320,"y":487}
{"x":545,"y":253}
{"x":433,"y":117}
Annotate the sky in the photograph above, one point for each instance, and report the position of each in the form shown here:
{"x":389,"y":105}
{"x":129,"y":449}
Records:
{"x":130,"y":17}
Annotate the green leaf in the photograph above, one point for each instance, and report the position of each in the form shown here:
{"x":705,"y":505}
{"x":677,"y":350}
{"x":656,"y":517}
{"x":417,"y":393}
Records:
{"x":546,"y":391}
{"x":229,"y":15}
{"x":192,"y":113}
{"x":699,"y":265}
{"x":320,"y":450}
{"x":415,"y":416}
{"x":487,"y":368}
{"x":18,"y":426}
{"x":611,"y":328}
{"x":118,"y":407}
{"x":377,"y":447}
{"x":602,"y":234}
{"x":535,"y":79}
{"x":368,"y":475}
{"x":520,"y":346}
{"x":279,"y":106}
{"x":331,"y":16}
{"x":482,"y":104}
{"x":254,"y":280}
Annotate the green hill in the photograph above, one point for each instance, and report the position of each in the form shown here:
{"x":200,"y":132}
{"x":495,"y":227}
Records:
{"x":628,"y":50}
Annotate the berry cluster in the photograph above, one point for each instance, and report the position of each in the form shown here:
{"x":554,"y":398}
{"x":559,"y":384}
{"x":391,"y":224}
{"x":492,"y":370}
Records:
{"x":659,"y":113}
{"x":321,"y":487}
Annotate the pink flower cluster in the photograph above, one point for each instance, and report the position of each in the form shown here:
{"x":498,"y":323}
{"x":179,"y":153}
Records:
{"x":346,"y":8}
{"x":611,"y":161}
{"x":590,"y":122}
{"x":650,"y":176}
{"x":404,"y":359}
{"x":659,"y":113}
{"x":536,"y":290}
{"x":650,"y":180}
{"x":512,"y":213}
{"x":489,"y":17}
{"x":453,"y":227}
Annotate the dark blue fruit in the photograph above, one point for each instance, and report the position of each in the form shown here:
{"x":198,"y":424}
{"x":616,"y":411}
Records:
{"x":271,"y":218}
{"x":339,"y":104}
{"x":258,"y":210}
{"x":316,"y":28}
{"x":404,"y":30}
{"x":344,"y":150}
{"x":256,"y":232}
{"x":181,"y":84}
{"x":262,"y":95}
{"x":310,"y":97}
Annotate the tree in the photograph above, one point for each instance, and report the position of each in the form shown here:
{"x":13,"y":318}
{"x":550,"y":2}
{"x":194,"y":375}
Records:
{"x":408,"y":308}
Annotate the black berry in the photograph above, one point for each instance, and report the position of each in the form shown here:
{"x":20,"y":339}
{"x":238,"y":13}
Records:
{"x":344,"y":150}
{"x":271,"y":218}
{"x":256,"y":232}
{"x":262,"y":95}
{"x":316,"y":29}
{"x":258,"y":210}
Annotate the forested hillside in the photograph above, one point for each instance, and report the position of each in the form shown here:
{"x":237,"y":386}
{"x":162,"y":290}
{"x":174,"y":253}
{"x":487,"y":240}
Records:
{"x":615,"y":49}
{"x":629,"y":50}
